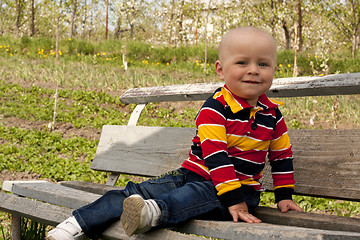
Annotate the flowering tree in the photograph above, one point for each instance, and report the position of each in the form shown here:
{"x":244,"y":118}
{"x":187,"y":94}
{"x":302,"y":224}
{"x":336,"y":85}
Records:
{"x":345,"y":16}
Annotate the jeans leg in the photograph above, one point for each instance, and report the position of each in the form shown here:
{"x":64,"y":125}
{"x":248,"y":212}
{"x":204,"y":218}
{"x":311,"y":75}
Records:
{"x":189,"y":201}
{"x":198,"y":200}
{"x":97,"y":216}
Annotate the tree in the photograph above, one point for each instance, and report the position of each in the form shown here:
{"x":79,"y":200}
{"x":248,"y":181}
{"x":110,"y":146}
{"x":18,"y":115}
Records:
{"x":32,"y":21}
{"x":20,"y":5}
{"x":345,"y":16}
{"x":73,"y":15}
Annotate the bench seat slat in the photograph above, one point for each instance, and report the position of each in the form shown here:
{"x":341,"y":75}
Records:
{"x":261,"y":231}
{"x":327,"y":162}
{"x":52,"y":215}
{"x":55,"y":194}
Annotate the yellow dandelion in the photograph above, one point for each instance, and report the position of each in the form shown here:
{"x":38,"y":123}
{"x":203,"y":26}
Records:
{"x":0,"y":46}
{"x":98,"y":54}
{"x":315,"y":56}
{"x":69,"y":39}
{"x":289,"y":65}
{"x":8,"y":46}
{"x":103,"y":54}
{"x":167,"y":64}
{"x":78,"y":54}
{"x":280,"y":65}
{"x":321,"y":74}
{"x":60,"y":53}
{"x":11,"y":55}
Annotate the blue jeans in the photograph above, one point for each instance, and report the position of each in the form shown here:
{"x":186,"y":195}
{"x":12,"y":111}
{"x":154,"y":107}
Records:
{"x":180,"y":194}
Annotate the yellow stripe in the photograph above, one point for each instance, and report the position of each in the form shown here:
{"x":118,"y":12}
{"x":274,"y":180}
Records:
{"x":285,"y":186}
{"x":234,"y":105}
{"x":249,"y":181}
{"x":247,"y":144}
{"x":199,"y":165}
{"x":226,"y":187}
{"x":281,"y":143}
{"x":213,"y":132}
{"x":276,"y":102}
{"x":217,"y":95}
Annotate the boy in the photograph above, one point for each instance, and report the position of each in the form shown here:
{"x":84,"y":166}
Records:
{"x":237,"y":128}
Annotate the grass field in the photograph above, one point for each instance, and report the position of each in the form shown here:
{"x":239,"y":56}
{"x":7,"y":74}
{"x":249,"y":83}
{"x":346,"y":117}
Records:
{"x":87,"y":98}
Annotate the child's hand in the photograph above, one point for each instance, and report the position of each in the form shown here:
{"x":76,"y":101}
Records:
{"x":241,"y":211}
{"x":286,"y":205}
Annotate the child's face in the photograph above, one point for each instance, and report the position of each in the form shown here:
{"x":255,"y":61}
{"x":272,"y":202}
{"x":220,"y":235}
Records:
{"x":247,"y":64}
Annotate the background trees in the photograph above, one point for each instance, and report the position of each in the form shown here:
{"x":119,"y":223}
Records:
{"x":321,"y":26}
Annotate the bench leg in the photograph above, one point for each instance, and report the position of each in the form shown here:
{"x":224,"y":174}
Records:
{"x":15,"y":227}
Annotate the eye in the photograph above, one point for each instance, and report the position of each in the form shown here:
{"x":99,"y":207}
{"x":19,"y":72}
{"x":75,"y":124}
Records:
{"x":241,"y":62}
{"x":263,"y":64}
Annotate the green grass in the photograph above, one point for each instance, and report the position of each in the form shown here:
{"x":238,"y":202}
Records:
{"x":89,"y":85}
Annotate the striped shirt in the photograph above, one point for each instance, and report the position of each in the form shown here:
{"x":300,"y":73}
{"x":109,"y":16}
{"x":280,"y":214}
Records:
{"x":233,"y":140}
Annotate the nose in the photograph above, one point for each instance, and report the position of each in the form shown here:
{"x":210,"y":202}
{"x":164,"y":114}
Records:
{"x":253,"y":69}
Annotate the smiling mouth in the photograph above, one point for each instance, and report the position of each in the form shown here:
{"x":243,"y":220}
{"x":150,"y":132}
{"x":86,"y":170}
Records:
{"x":251,"y":82}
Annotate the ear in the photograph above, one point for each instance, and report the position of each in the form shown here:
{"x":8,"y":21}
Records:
{"x":219,"y":70}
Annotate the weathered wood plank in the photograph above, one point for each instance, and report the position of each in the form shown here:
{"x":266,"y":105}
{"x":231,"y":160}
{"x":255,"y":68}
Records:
{"x":41,"y":212}
{"x":322,"y":168}
{"x":308,"y":220}
{"x":55,"y":194}
{"x":52,"y":215}
{"x":96,"y":188}
{"x":152,"y":150}
{"x":338,"y":84}
{"x":261,"y":231}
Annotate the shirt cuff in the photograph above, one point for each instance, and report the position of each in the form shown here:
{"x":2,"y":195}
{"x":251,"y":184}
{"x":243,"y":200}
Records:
{"x":232,"y":197}
{"x":283,"y":194}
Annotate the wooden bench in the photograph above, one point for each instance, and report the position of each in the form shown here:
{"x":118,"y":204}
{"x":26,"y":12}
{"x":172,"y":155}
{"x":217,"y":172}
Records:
{"x":327,"y":164}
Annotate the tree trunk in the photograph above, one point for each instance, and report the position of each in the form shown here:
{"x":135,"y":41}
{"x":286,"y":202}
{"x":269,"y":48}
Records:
{"x":73,"y":18}
{"x":287,"y":34}
{"x":299,"y":26}
{"x":107,"y":19}
{"x":19,"y":12}
{"x":118,"y":28}
{"x":58,"y":16}
{"x":32,"y":23}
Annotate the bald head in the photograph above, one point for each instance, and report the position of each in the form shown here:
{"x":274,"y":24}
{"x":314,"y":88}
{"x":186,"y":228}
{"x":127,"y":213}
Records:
{"x":251,"y":34}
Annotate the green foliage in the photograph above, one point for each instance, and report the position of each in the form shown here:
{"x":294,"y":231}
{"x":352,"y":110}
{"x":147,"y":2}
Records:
{"x":31,"y":230}
{"x":48,"y":154}
{"x":81,"y":108}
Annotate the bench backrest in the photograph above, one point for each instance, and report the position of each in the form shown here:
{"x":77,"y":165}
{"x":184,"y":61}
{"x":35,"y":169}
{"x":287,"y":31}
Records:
{"x":327,"y":162}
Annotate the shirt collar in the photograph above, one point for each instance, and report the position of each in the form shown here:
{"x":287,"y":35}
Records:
{"x":237,"y":103}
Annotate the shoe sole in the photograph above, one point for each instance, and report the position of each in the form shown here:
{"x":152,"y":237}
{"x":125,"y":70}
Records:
{"x":130,"y":218}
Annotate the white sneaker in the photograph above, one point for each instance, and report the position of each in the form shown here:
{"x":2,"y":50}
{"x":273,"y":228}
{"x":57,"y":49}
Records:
{"x":66,"y":230}
{"x":139,"y":215}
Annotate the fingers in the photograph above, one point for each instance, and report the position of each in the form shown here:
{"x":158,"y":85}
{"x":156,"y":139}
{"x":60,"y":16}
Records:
{"x":286,"y":205}
{"x":240,"y":211}
{"x":297,"y":208}
{"x":247,"y":217}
